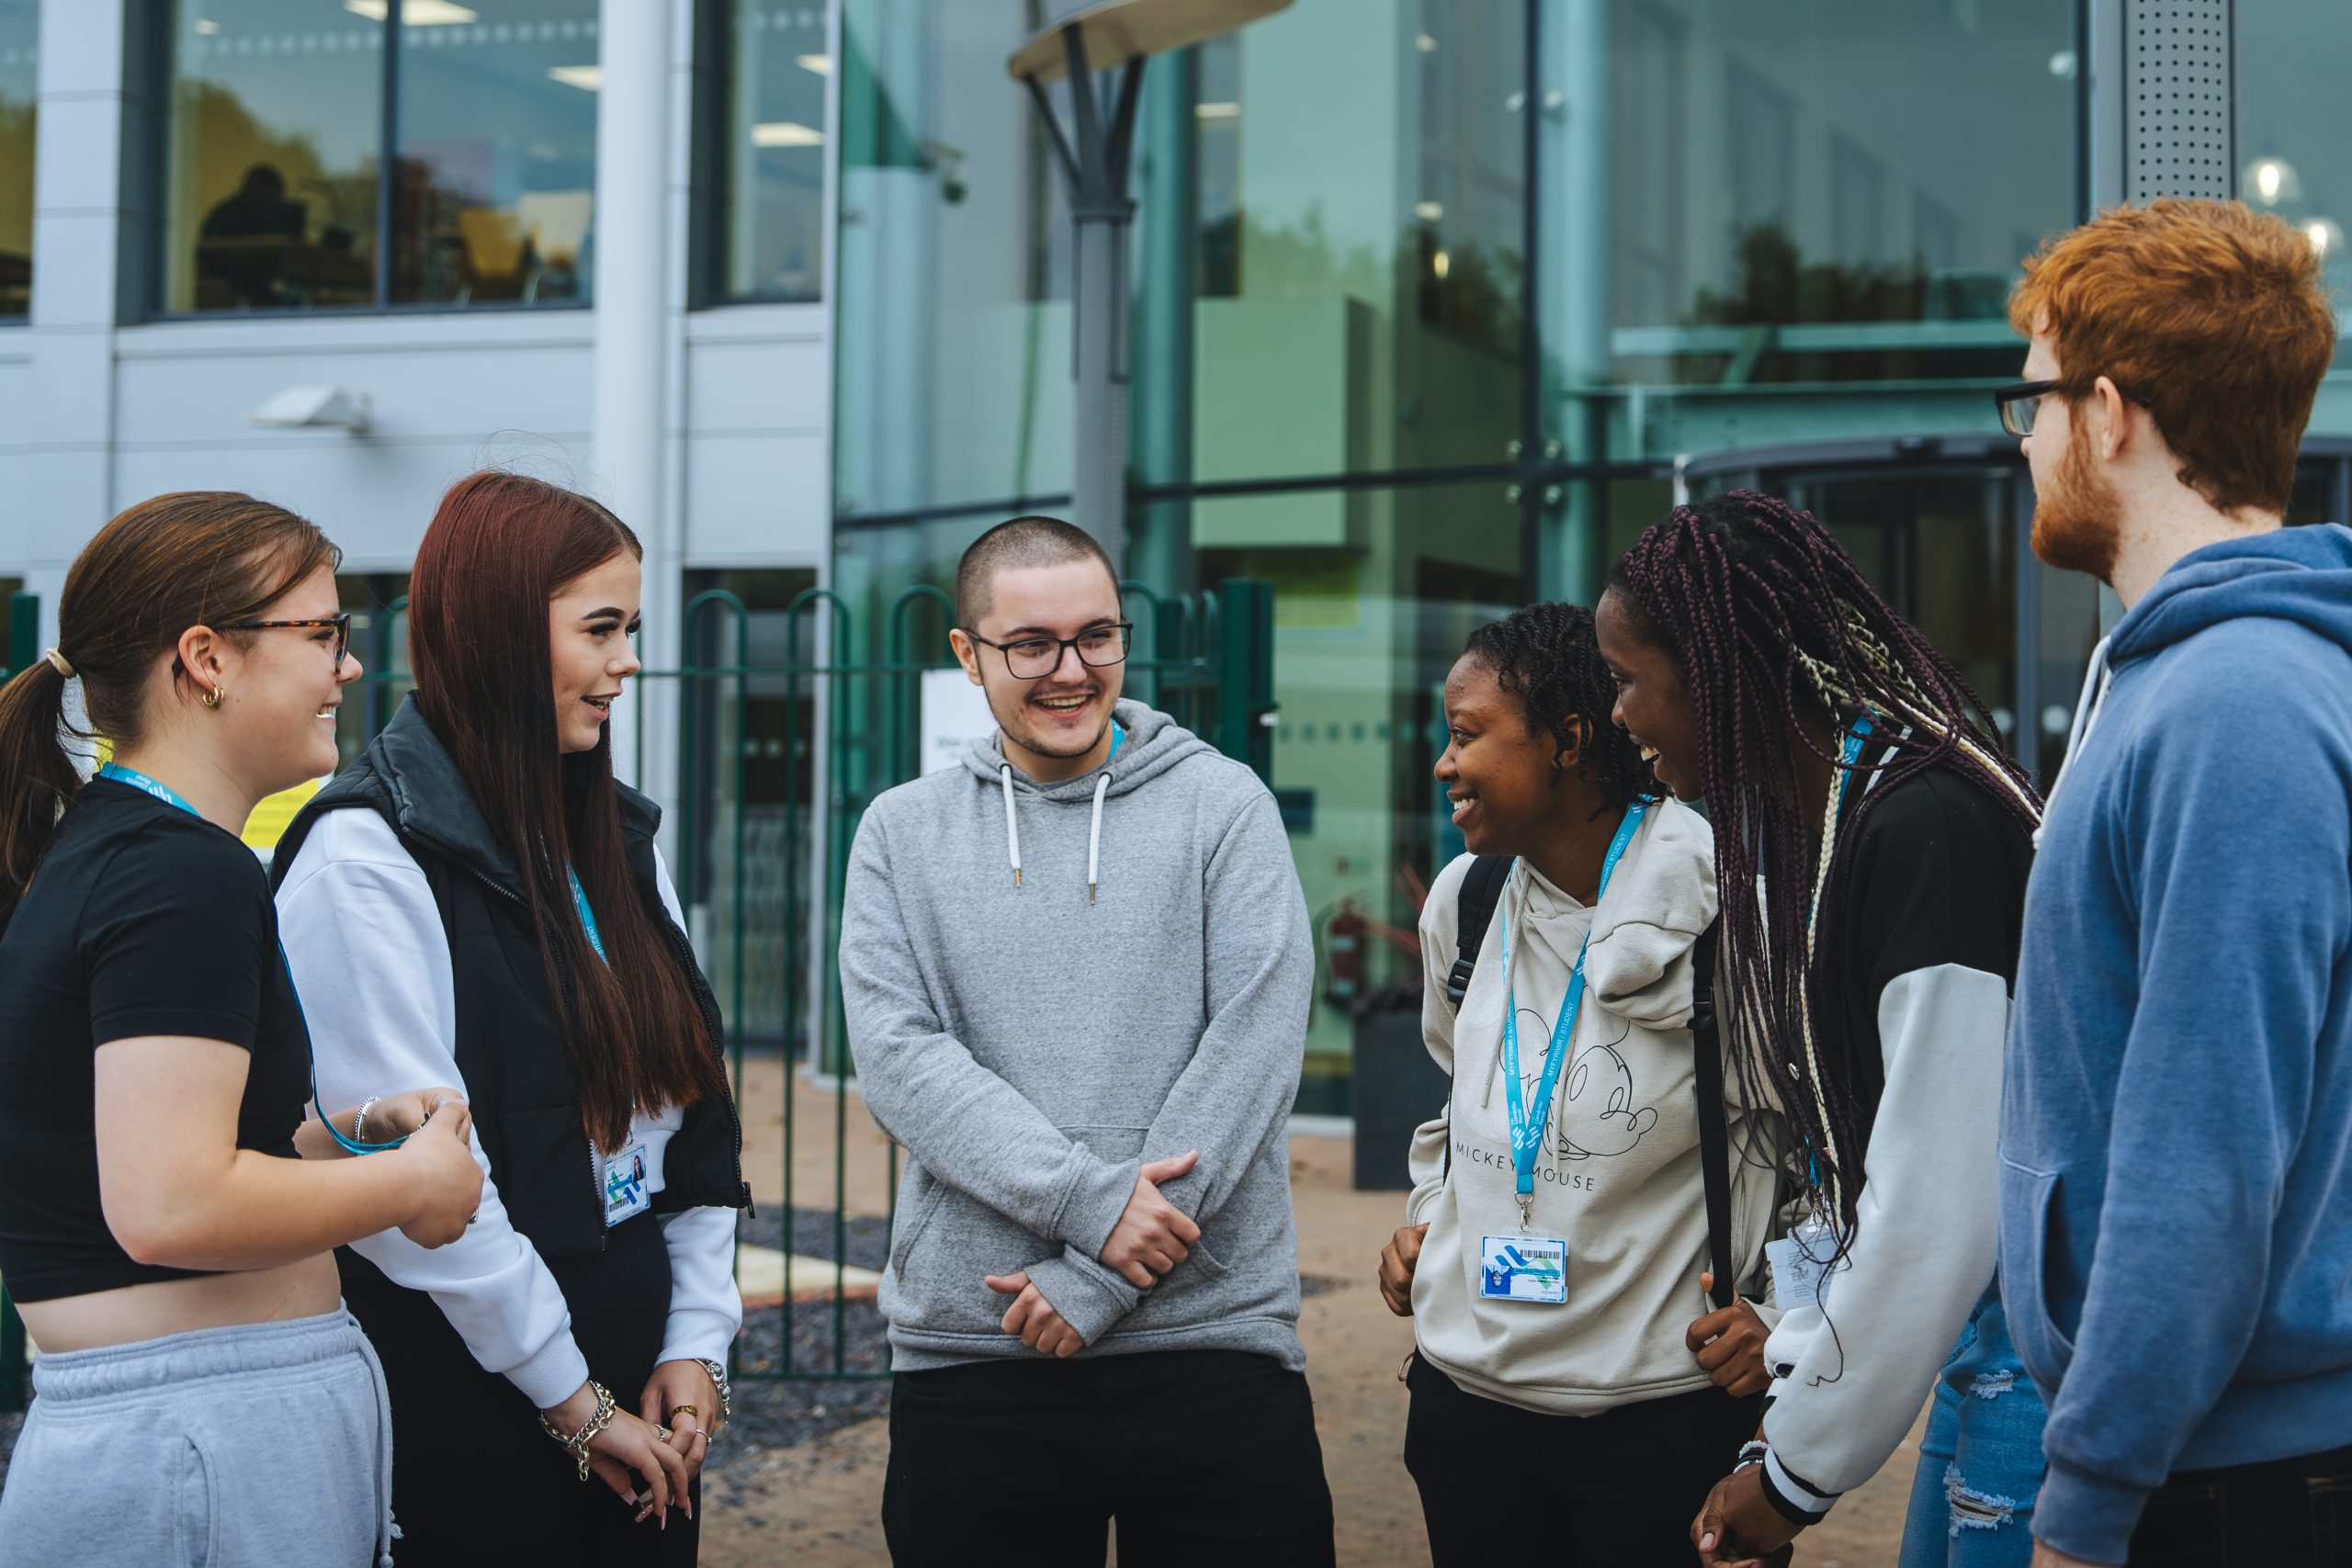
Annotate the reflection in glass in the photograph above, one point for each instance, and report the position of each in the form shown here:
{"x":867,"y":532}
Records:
{"x":19,"y":65}
{"x":270,"y":200}
{"x":495,"y":185}
{"x":772,"y":201}
{"x":2288,"y":57}
{"x":1818,"y":174}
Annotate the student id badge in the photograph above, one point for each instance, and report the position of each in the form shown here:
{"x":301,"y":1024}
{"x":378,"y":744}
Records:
{"x":1522,"y":1268}
{"x":1801,"y":1265}
{"x":624,"y":1193}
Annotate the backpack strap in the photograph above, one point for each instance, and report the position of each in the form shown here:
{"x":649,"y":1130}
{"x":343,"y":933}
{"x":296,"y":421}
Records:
{"x":1714,"y":1132}
{"x":1482,"y":889}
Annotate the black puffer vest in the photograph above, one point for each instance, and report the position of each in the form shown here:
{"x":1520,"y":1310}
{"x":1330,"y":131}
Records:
{"x":510,"y":1048}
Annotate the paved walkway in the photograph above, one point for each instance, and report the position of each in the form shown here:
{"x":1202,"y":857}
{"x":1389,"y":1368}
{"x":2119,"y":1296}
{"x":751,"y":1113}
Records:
{"x":817,"y":1504}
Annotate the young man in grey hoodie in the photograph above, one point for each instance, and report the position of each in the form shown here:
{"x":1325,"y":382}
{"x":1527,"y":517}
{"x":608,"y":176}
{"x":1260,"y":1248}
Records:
{"x":1077,"y":974}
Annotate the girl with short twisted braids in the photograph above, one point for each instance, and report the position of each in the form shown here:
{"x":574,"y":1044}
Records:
{"x":1615,"y":1393}
{"x":1873,"y":840}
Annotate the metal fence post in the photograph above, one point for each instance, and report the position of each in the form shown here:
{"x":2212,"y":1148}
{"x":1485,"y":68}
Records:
{"x":12,"y":1354}
{"x":24,"y":631}
{"x":1245,"y":672}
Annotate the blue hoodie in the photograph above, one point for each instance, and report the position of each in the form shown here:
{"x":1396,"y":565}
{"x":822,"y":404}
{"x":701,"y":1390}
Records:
{"x":2176,"y":1115}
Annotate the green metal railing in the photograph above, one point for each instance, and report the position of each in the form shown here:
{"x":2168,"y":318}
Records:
{"x":24,"y":647}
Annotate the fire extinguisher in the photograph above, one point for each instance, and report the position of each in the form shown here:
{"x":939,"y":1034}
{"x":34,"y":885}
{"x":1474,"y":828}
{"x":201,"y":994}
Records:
{"x":1343,"y":950}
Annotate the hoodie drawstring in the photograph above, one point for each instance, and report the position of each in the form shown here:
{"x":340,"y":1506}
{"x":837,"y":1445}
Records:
{"x":1012,"y":823}
{"x":1094,"y":832}
{"x":1095,"y":835}
{"x":2096,"y":682}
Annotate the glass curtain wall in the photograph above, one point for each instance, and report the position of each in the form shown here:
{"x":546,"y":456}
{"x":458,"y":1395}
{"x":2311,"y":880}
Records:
{"x":276,"y":183}
{"x":1429,"y":301}
{"x":20,"y":88}
{"x":2288,"y":62}
{"x":769,"y":237}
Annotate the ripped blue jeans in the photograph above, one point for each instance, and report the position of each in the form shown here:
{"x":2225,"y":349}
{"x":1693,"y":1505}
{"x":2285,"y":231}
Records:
{"x":1980,"y":1464}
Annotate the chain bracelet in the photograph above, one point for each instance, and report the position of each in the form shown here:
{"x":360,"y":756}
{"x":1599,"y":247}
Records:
{"x":578,"y":1441}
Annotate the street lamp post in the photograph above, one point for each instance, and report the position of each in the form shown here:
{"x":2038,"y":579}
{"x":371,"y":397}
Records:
{"x":1117,"y":34}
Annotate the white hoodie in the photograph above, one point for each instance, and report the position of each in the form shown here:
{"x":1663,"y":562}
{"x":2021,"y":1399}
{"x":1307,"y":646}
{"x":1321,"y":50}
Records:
{"x":1619,"y":1177}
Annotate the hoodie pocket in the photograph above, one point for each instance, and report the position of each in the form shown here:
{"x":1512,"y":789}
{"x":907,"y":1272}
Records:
{"x":953,"y":1240}
{"x":2028,"y":1199}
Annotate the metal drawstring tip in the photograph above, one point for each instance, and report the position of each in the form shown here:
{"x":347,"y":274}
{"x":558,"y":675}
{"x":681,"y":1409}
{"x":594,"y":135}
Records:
{"x":1016,"y":876}
{"x":1090,"y":893}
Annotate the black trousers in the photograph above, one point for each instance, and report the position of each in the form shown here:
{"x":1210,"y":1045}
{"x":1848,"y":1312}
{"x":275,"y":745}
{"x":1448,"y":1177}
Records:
{"x":1202,"y":1457}
{"x":2286,"y":1513}
{"x":475,"y":1482}
{"x":1617,"y":1490}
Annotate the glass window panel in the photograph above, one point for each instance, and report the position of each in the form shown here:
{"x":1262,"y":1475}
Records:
{"x":1835,"y":192}
{"x":953,"y":327}
{"x":20,"y":87}
{"x":771,"y":208}
{"x":495,"y":199}
{"x":1358,"y":214}
{"x":2288,"y":64}
{"x":270,"y":183}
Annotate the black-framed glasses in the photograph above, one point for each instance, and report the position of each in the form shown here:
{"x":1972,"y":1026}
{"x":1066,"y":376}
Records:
{"x":2021,"y":403}
{"x":339,"y":625}
{"x":1035,"y":657}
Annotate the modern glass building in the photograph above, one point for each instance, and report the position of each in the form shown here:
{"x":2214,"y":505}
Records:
{"x":1436,"y":303}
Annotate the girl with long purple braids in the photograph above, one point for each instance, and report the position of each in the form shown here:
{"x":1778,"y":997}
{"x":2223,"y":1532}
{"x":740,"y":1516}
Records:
{"x":1873,"y":839}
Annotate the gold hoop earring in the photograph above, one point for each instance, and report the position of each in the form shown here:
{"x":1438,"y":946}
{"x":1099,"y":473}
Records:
{"x":215,"y":697}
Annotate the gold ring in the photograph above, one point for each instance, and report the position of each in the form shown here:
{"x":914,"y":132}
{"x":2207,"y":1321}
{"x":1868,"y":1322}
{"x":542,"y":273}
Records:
{"x":678,"y":1410}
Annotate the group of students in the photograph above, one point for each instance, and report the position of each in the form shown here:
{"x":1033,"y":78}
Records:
{"x":1876,"y":1078}
{"x":379,"y":1205}
{"x":1806,"y":1066}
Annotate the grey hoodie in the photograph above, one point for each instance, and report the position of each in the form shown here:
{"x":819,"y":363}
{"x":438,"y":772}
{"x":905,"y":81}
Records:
{"x":1138,"y":988}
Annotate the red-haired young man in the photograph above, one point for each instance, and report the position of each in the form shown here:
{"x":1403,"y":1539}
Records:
{"x":2176,"y":1118}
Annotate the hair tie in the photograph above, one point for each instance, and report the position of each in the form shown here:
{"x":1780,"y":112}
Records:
{"x":60,"y":663}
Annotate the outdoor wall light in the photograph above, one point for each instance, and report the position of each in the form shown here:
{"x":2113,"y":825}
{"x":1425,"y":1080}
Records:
{"x":309,"y":407}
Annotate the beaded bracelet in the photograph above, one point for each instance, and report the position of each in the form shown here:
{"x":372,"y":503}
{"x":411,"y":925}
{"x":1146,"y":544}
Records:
{"x":578,"y":1442}
{"x":1751,"y":1452}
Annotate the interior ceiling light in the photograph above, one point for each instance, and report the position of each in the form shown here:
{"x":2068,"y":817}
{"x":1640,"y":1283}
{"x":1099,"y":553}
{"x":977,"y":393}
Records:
{"x":415,"y":12}
{"x":787,"y":133}
{"x":1217,"y":111}
{"x":587,"y":78}
{"x":822,"y":65}
{"x":2272,"y":181}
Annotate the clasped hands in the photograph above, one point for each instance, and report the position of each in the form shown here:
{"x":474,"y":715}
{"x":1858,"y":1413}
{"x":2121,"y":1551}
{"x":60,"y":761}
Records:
{"x":1152,"y":1237}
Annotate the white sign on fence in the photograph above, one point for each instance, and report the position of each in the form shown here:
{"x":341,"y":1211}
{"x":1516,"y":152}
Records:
{"x":954,"y":714}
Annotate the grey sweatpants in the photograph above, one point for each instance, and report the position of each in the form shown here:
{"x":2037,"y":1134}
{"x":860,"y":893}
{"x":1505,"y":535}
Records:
{"x":260,"y":1446}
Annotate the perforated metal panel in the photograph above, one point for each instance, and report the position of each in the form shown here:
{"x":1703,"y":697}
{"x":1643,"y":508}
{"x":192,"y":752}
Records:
{"x":2176,"y":99}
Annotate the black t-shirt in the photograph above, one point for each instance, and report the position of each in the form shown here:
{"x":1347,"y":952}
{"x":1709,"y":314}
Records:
{"x":142,"y":919}
{"x":1936,"y":878}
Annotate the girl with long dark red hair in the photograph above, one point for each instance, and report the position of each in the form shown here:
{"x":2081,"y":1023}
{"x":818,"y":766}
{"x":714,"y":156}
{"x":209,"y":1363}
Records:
{"x":476,"y":899}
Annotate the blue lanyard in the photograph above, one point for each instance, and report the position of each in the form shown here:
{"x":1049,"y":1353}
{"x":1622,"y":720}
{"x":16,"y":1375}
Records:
{"x":170,"y":797}
{"x":1118,"y":735}
{"x":587,"y":915}
{"x":1526,"y":1126}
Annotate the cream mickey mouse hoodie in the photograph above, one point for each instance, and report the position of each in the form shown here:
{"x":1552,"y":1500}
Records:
{"x":1619,"y":1177}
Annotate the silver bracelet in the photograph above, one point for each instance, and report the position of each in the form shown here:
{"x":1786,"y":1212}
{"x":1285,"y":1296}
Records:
{"x":359,"y":1123}
{"x":718,"y":1371}
{"x":1751,"y":1452}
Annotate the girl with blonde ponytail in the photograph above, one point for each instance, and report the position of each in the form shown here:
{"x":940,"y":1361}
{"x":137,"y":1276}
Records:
{"x":168,"y":1214}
